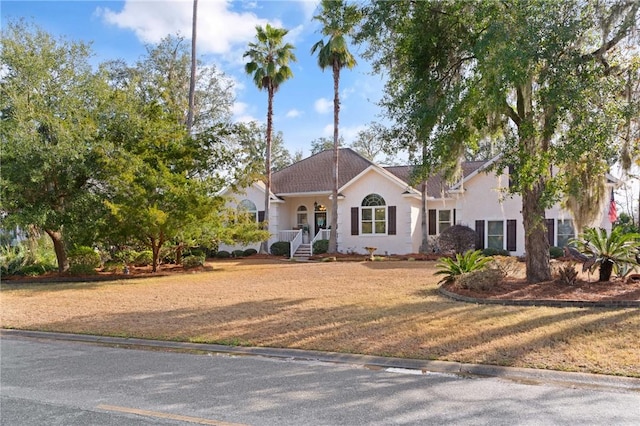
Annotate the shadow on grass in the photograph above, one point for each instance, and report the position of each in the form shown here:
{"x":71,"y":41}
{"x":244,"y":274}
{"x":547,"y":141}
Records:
{"x":430,"y":329}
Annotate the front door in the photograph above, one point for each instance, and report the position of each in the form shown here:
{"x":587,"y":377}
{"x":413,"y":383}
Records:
{"x":320,"y":221}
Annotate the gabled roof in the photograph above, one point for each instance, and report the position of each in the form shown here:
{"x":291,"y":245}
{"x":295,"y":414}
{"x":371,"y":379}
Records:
{"x":314,"y":174}
{"x":435,"y":184}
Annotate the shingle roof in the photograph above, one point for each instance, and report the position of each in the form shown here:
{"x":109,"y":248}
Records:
{"x":313,"y":174}
{"x":435,"y":184}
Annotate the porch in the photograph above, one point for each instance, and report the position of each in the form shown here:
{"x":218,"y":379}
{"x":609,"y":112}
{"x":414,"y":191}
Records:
{"x":301,"y":245}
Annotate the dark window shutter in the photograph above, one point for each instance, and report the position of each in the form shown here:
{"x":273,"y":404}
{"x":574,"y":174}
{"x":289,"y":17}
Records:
{"x":432,"y":222}
{"x":551,"y":231}
{"x":454,"y":217}
{"x":392,"y":220}
{"x":511,"y":235}
{"x":479,"y":234}
{"x":261,"y":216}
{"x":354,"y":221}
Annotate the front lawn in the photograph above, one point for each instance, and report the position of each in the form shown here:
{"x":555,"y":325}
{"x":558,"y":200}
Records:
{"x":376,"y":308}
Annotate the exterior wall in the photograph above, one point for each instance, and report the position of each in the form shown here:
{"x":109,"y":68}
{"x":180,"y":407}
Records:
{"x":484,"y":200}
{"x":407,"y":215}
{"x":254,"y":193}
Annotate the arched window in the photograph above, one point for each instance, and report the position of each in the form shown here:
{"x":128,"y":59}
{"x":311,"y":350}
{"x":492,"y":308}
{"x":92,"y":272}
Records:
{"x":248,"y":207}
{"x":373,"y":212}
{"x":302,"y":217}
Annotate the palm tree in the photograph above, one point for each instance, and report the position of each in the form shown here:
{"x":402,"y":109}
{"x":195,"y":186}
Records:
{"x":192,"y":81}
{"x":338,"y":21}
{"x":269,"y":59}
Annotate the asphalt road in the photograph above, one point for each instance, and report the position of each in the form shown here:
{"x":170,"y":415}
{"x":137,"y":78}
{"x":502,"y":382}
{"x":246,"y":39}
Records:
{"x":49,"y":382}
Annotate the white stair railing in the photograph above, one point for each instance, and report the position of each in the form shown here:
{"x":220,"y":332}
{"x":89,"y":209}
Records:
{"x":295,"y":243}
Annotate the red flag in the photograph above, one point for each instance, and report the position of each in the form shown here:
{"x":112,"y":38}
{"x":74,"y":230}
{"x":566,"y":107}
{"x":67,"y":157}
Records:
{"x":613,"y":211}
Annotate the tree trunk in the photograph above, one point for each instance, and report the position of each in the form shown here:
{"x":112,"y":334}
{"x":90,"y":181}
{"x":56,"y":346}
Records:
{"x":424,"y":245}
{"x":156,"y":244}
{"x":58,"y":246}
{"x":536,"y":242}
{"x":192,"y":81}
{"x":333,"y":234}
{"x":606,"y":268}
{"x":264,"y":246}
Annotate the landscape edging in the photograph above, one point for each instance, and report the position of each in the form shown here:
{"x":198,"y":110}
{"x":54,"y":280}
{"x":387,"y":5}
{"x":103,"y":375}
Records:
{"x":542,"y":302}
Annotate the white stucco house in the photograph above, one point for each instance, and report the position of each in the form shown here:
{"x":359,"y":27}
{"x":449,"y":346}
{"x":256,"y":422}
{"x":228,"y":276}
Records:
{"x":377,"y":207}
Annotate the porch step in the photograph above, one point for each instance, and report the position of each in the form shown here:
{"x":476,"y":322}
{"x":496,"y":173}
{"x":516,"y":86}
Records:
{"x":303,"y":252}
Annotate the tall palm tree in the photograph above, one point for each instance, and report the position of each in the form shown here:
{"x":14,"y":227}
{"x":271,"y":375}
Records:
{"x":269,"y":59}
{"x":192,"y":81}
{"x":338,"y":21}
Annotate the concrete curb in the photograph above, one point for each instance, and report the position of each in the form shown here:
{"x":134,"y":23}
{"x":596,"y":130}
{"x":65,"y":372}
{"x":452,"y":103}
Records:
{"x":522,"y":375}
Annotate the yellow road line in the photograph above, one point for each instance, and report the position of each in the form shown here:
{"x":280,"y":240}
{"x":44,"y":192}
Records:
{"x":161,"y":415}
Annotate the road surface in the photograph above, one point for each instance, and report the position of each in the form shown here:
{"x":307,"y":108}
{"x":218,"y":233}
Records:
{"x":49,"y":382}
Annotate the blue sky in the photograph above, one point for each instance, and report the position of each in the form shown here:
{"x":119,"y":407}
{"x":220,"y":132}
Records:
{"x":303,"y":106}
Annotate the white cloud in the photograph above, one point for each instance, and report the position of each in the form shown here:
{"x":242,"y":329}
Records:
{"x":241,"y":113}
{"x":219,"y":27}
{"x":293,"y":113}
{"x":323,"y":105}
{"x":348,"y":133}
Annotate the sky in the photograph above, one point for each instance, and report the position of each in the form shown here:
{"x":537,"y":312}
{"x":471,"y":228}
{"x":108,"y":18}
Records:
{"x":303,"y":107}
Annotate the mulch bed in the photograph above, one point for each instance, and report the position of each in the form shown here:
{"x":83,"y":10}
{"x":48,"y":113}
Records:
{"x":519,"y":289}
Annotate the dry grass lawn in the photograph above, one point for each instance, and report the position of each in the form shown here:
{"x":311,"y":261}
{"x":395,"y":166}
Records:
{"x":377,"y":308}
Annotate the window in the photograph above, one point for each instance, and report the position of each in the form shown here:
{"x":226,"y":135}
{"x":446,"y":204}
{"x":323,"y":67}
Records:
{"x":495,"y":234}
{"x":374,"y":215}
{"x":565,"y":232}
{"x":444,"y":220}
{"x":302,"y":217}
{"x":249,"y":208}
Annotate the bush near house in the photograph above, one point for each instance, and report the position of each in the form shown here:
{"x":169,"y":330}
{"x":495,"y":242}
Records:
{"x":250,"y":252}
{"x":280,"y":248}
{"x":223,"y":254}
{"x":320,"y":246}
{"x":457,"y":239}
{"x":495,"y":252}
{"x":555,"y":252}
{"x":237,"y":253}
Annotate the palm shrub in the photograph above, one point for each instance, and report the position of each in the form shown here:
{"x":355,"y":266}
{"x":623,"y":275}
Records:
{"x":610,"y":253}
{"x":453,"y":268}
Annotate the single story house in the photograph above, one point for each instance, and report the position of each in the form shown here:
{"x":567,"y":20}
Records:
{"x":377,"y":207}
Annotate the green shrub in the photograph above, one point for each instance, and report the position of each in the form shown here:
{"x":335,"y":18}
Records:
{"x":84,"y":258}
{"x":480,"y":280}
{"x":495,"y":252}
{"x":237,"y":253}
{"x":463,"y":263}
{"x":113,"y":266}
{"x":144,"y":258}
{"x":223,"y":254}
{"x":280,"y":248}
{"x":126,"y":256}
{"x":32,"y":270}
{"x":320,"y":246}
{"x":82,"y":269}
{"x":249,"y":252}
{"x":193,"y":261}
{"x":555,"y":252}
